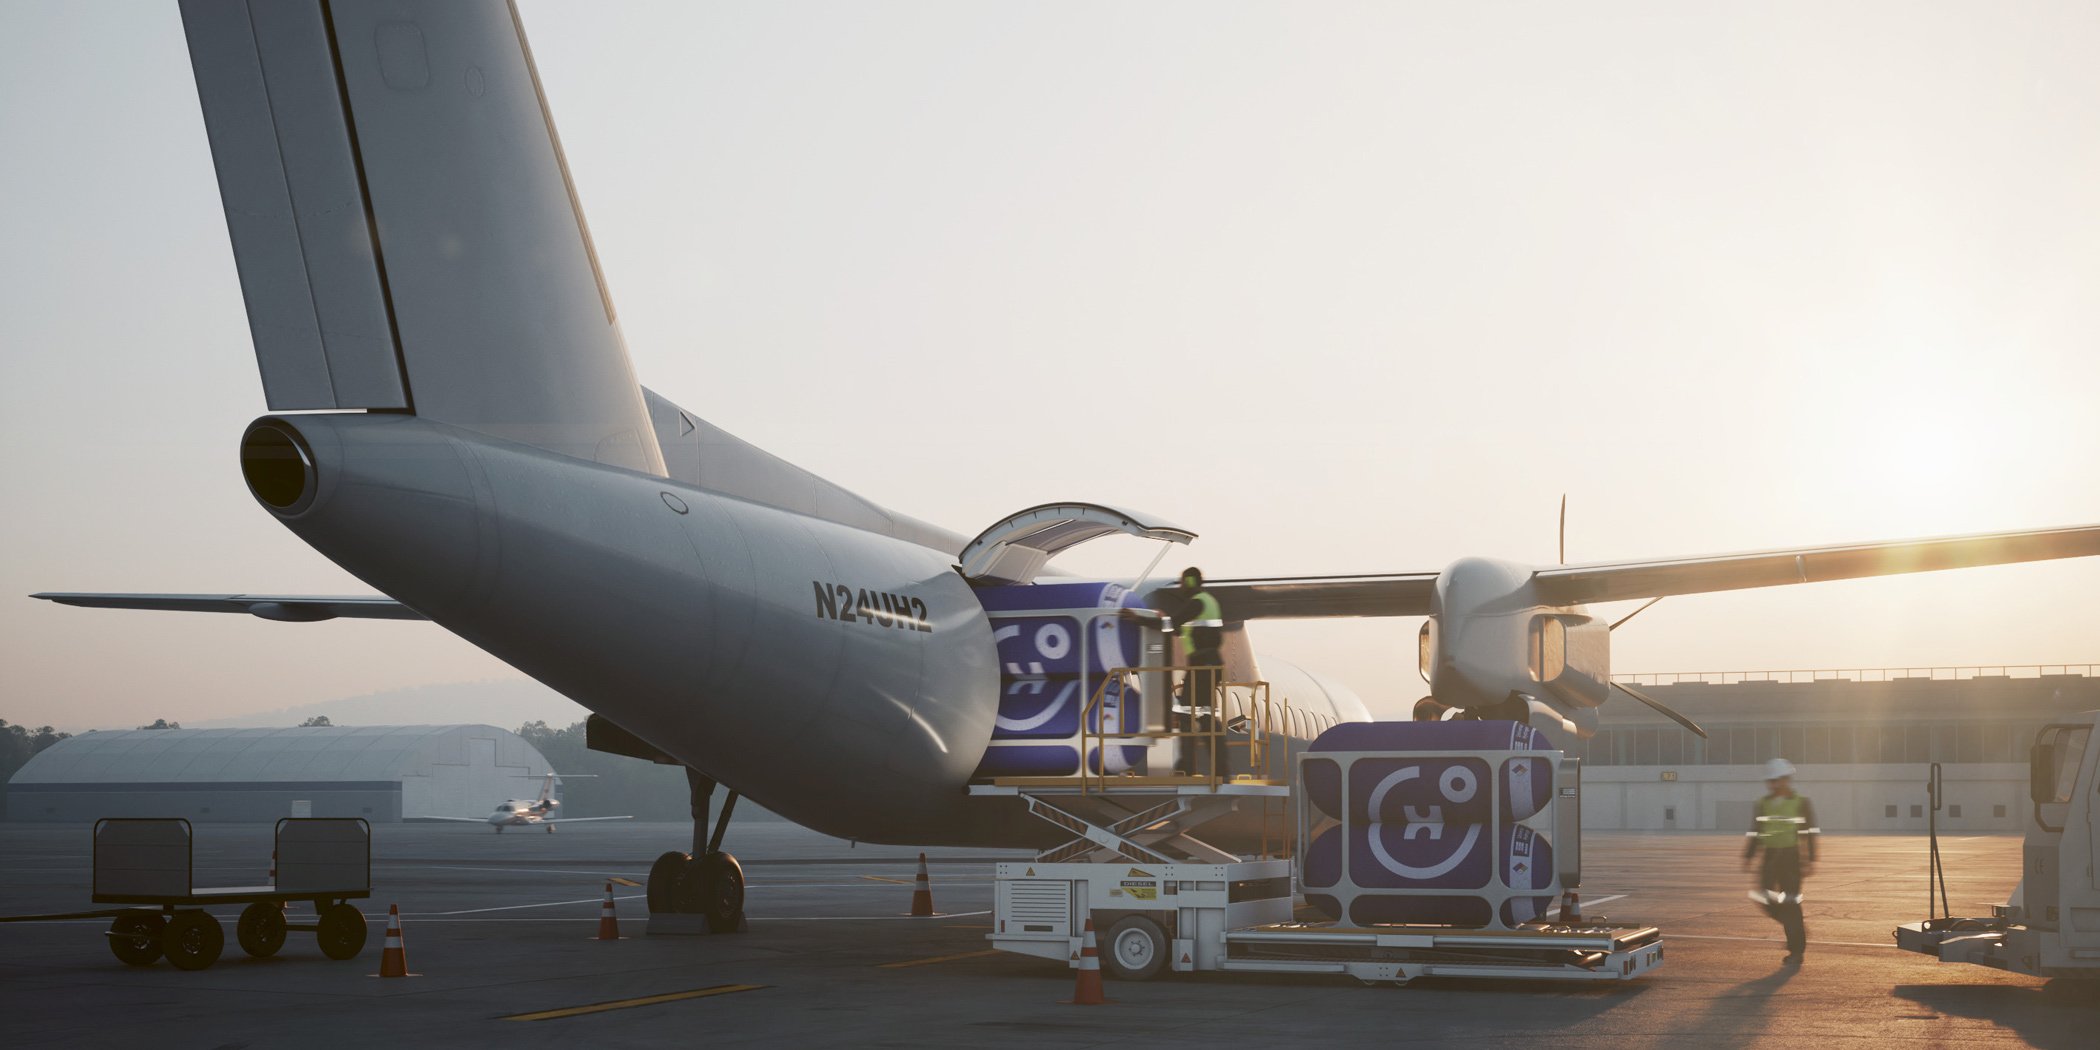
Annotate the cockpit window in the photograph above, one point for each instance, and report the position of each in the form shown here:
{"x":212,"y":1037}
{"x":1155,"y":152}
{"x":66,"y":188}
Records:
{"x":1549,"y":648}
{"x":1426,"y":645}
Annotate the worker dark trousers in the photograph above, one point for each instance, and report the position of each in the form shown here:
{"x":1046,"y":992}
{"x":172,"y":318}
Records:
{"x":1781,"y":874}
{"x":1201,"y":696}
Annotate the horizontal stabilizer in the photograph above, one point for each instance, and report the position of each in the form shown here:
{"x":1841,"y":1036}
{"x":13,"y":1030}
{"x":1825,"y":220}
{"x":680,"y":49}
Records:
{"x":1616,"y":581}
{"x":288,"y":608}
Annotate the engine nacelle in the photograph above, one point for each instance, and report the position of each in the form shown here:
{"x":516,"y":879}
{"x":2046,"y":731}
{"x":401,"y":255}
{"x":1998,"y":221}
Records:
{"x":1489,"y":636}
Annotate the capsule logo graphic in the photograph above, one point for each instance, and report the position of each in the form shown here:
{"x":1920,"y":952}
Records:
{"x":1458,"y":784}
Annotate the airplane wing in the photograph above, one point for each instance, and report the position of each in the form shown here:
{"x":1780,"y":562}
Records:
{"x":1301,"y":597}
{"x":578,"y":820}
{"x":1616,"y":581}
{"x":288,"y":608}
{"x":454,"y":820}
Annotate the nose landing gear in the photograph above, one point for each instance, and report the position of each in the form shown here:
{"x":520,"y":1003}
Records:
{"x":701,"y":891}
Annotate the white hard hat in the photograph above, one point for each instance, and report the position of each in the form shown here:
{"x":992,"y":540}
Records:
{"x":1777,"y":768}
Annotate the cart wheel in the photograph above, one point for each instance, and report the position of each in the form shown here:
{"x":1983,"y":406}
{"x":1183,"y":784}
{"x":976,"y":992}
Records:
{"x":1137,"y":949}
{"x":342,"y":932}
{"x":663,"y":882}
{"x":192,"y":940}
{"x":261,"y":929}
{"x":135,"y":938}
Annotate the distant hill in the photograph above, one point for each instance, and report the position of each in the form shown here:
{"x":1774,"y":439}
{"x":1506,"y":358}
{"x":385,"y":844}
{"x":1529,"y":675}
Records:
{"x":506,"y":704}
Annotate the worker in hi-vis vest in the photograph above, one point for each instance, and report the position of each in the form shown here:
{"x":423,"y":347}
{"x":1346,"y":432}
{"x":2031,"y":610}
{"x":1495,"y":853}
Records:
{"x":1202,"y":626}
{"x":1785,"y":831}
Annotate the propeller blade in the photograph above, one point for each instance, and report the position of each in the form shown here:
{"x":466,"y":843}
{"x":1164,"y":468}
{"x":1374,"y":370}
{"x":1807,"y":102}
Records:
{"x":1563,"y":528}
{"x":1661,"y":708}
{"x":1616,"y":624}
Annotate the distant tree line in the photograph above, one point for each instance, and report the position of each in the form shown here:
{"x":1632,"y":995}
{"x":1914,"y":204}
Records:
{"x":619,"y":784}
{"x":18,"y":744}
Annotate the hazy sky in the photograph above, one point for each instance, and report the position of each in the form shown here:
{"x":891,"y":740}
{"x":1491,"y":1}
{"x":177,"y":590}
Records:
{"x":1343,"y":287}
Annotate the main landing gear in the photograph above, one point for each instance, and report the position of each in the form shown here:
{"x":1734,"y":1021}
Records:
{"x":704,"y":888}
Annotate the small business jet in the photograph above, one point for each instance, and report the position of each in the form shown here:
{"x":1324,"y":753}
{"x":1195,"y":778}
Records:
{"x":529,"y":811}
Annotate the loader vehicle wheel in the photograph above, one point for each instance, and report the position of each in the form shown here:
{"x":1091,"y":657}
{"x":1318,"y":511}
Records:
{"x":1136,"y":949}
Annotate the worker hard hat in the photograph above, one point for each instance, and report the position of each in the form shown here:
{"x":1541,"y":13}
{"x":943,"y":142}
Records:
{"x":1778,"y":768}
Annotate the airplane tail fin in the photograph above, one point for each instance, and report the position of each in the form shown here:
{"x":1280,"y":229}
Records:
{"x":404,"y":224}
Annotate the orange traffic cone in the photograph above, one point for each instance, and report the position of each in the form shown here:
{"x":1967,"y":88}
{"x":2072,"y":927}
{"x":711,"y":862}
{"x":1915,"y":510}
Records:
{"x":608,"y":924}
{"x":922,"y":893}
{"x":1086,"y":990}
{"x":393,"y":962}
{"x":1570,"y":908}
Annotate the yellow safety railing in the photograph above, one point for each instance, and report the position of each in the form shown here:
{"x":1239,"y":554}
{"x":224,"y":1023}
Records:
{"x":1199,"y":724}
{"x":1212,"y":724}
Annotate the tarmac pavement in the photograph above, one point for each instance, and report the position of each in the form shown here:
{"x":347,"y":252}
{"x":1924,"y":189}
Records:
{"x":500,"y":927}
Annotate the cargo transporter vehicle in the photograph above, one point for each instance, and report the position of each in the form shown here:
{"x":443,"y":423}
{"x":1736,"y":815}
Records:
{"x":1432,"y":848}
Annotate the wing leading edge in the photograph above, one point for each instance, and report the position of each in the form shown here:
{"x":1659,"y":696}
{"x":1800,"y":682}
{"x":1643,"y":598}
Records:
{"x":1408,"y":594}
{"x":1616,"y":581}
{"x":286,"y":608}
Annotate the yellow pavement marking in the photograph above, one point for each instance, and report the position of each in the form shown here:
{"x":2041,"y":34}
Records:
{"x":622,"y":1004}
{"x":618,"y":881}
{"x":878,"y":878}
{"x":937,"y":959}
{"x":967,"y":925}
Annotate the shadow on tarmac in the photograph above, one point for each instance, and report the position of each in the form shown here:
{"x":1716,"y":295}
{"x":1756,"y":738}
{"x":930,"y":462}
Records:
{"x":2059,"y":1015}
{"x":1739,"y":1016}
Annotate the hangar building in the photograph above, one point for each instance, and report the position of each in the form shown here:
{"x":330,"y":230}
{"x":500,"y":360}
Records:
{"x":1863,"y":740}
{"x":380,"y":773}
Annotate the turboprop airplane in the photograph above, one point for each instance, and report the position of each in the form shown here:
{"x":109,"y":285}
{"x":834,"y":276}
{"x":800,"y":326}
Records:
{"x":453,"y":419}
{"x":528,"y":812}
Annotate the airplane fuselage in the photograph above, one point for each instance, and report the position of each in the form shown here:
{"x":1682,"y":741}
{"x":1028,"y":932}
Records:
{"x":682,"y":615}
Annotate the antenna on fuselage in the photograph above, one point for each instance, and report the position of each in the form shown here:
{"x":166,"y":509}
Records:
{"x":1563,"y":528}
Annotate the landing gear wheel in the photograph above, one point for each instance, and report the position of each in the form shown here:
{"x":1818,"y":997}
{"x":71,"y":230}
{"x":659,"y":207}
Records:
{"x":1136,"y":949}
{"x":342,"y":932}
{"x":135,"y":938}
{"x":260,"y":930}
{"x":713,"y":886}
{"x":550,"y":829}
{"x":499,"y":829}
{"x":192,"y":940}
{"x":663,"y":882}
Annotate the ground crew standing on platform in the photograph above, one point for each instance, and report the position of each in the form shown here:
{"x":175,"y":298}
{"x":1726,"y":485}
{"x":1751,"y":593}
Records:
{"x":1202,"y":626}
{"x":1785,"y":830}
{"x":1202,"y":633}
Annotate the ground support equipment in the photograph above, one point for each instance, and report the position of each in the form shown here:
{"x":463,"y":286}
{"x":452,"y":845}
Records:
{"x":146,"y":863}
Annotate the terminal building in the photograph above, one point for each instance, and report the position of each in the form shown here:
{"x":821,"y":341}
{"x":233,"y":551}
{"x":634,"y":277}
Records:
{"x":380,"y":773}
{"x":1864,"y":741}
